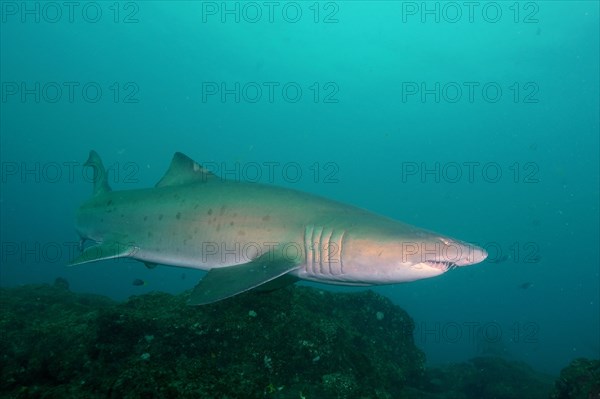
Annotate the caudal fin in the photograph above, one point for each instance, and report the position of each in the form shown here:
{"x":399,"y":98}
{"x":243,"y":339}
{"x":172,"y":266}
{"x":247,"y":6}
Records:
{"x":100,"y":177}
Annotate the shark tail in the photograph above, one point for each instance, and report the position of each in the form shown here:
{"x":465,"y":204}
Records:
{"x":100,"y":177}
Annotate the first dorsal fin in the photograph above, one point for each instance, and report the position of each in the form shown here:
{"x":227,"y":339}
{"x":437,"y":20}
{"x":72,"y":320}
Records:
{"x":184,"y":170}
{"x":100,"y":178}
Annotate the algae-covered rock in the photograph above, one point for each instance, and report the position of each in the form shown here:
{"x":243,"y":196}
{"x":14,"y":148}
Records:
{"x":45,"y":333}
{"x":579,"y":380}
{"x":290,"y":343}
{"x":483,"y":378}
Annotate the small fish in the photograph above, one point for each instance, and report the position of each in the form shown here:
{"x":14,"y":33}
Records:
{"x":183,"y":276}
{"x":533,"y":259}
{"x":138,"y":282}
{"x":525,"y":285}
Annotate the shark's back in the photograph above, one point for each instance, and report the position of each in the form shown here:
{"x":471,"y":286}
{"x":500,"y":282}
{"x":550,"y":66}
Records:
{"x":247,"y":234}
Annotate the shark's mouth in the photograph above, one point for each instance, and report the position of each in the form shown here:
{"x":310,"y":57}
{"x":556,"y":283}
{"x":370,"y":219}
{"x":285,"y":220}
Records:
{"x":441,"y":265}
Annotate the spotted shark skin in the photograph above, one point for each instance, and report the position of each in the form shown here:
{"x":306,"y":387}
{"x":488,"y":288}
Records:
{"x":249,"y":235}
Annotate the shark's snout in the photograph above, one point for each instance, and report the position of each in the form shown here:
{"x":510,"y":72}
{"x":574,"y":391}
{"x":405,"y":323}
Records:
{"x":472,"y":255}
{"x":455,"y":253}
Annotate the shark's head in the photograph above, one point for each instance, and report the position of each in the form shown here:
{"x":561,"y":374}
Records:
{"x":370,"y":257}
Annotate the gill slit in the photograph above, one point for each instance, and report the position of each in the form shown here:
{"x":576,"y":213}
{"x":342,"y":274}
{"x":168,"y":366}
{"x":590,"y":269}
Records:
{"x":341,"y":247}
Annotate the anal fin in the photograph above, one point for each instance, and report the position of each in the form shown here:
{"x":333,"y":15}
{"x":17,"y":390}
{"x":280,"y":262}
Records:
{"x":150,"y":265}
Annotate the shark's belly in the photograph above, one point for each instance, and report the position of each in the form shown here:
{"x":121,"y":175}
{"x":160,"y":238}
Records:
{"x":220,"y":243}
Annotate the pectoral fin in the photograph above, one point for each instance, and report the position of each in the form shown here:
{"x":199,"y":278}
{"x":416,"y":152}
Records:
{"x":224,"y":282}
{"x":105,"y":250}
{"x":278,"y":283}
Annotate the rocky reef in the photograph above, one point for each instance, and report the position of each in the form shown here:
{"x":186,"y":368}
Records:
{"x":291,"y":343}
{"x":296,"y":342}
{"x":483,"y":377}
{"x":579,"y":380}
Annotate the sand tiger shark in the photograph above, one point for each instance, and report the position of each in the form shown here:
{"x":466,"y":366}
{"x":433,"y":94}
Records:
{"x":250,"y":235}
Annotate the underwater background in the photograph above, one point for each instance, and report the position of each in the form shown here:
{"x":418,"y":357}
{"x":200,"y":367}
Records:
{"x":479,"y":120}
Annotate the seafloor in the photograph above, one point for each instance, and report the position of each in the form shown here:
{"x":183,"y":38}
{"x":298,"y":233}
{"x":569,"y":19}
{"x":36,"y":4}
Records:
{"x":296,"y":342}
